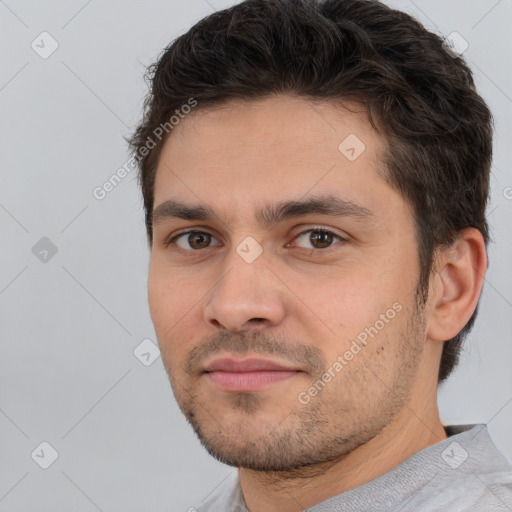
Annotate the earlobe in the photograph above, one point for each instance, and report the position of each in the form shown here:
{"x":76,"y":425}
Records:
{"x":456,"y":284}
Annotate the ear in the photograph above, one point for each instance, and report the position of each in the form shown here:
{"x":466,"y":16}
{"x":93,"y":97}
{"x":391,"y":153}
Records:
{"x":456,"y":284}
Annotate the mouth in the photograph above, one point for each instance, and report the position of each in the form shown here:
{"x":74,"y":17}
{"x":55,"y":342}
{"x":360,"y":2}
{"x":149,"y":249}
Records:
{"x":244,"y":375}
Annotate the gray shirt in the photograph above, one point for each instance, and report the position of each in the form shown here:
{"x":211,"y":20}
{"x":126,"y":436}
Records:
{"x":465,"y":472}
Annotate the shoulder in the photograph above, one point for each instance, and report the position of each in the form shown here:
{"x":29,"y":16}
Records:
{"x":472,"y":474}
{"x":227,"y":497}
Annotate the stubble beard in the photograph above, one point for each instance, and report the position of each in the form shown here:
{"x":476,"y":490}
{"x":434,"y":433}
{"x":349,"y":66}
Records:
{"x":310,"y":438}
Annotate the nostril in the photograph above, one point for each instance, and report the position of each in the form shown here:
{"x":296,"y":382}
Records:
{"x":257,"y":320}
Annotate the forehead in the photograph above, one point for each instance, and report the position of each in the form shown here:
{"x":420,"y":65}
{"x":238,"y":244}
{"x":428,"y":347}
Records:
{"x":260,"y":151}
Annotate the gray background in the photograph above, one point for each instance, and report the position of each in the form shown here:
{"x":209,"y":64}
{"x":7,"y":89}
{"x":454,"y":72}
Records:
{"x":70,"y":324}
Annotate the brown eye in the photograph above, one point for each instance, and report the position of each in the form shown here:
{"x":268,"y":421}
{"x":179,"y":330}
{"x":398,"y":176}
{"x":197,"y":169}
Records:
{"x":195,"y":240}
{"x":316,"y":239}
{"x":321,"y":239}
{"x":199,"y":240}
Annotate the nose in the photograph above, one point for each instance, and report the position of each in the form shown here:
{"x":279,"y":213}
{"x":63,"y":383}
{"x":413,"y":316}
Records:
{"x":247,"y":296}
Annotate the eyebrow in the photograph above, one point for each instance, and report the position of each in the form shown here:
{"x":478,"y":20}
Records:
{"x":270,"y":214}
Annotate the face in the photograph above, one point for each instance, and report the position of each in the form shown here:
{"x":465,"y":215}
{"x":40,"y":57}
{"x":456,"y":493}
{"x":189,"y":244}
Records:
{"x":282,"y":281}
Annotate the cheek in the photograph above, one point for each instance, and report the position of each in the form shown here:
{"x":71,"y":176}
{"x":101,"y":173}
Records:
{"x":174,"y":306}
{"x":162,"y":308}
{"x":365,"y":305}
{"x":158,"y":298}
{"x":164,"y":287}
{"x":347,"y":299}
{"x":166,"y":301}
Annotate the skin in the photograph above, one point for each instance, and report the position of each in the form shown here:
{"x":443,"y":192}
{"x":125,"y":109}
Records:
{"x":298,"y":303}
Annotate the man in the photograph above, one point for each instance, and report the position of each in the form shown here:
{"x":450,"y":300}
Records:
{"x":315,"y":177}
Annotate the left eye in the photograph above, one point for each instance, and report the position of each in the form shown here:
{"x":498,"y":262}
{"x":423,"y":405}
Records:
{"x":318,"y":238}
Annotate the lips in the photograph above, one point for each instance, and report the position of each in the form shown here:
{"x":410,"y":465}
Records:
{"x":251,"y":374}
{"x":246,"y":365}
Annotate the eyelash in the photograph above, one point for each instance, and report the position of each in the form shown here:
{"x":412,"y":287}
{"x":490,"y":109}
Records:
{"x":319,"y":230}
{"x":310,"y":230}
